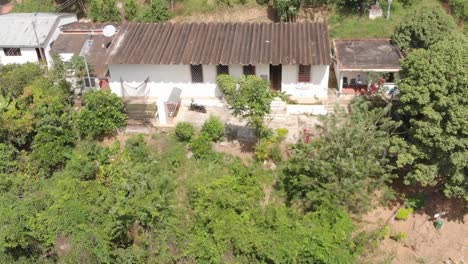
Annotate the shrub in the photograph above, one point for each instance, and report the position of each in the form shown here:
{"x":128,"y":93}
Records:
{"x":157,"y":12}
{"x":385,"y":232}
{"x":201,"y":147}
{"x":416,"y":202}
{"x":423,"y":28}
{"x":404,"y":213}
{"x":184,"y":131}
{"x":399,"y":236}
{"x":103,"y":113}
{"x":213,"y":128}
{"x":227,"y":85}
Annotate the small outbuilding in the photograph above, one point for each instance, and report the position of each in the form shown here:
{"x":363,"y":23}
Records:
{"x":364,"y":64}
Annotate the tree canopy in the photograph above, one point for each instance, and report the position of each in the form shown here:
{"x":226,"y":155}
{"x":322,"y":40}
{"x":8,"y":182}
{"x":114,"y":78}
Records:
{"x":434,"y":107}
{"x":423,"y":28}
{"x":347,"y":163}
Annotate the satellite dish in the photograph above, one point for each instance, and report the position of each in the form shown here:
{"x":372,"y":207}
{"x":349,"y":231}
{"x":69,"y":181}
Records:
{"x":109,"y":31}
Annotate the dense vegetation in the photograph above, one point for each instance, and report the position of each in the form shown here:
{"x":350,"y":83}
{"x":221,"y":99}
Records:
{"x":434,"y":108}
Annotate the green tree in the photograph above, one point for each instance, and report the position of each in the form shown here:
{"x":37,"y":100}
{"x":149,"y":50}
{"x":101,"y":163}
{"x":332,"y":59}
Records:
{"x":131,"y":10}
{"x":156,"y":12}
{"x":251,"y":101}
{"x":287,"y":9}
{"x":347,"y":163}
{"x":434,"y":107}
{"x":460,"y":8}
{"x":103,"y":113}
{"x":422,"y":28}
{"x":15,"y":77}
{"x":104,"y":11}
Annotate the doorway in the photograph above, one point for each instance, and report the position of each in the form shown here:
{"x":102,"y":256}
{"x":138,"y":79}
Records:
{"x":275,"y":77}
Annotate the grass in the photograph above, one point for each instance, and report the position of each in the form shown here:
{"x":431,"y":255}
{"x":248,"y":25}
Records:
{"x":355,"y":26}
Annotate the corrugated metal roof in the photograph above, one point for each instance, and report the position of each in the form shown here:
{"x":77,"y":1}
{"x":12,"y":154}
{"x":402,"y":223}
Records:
{"x":20,"y":29}
{"x":221,"y":43}
{"x":366,"y":54}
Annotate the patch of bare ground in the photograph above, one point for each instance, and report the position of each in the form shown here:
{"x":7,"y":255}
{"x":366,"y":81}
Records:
{"x":242,"y":150}
{"x":233,"y":14}
{"x":424,"y":243}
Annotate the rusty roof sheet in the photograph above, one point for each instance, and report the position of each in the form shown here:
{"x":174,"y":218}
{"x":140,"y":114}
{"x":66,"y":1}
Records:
{"x":221,"y":43}
{"x":366,"y":54}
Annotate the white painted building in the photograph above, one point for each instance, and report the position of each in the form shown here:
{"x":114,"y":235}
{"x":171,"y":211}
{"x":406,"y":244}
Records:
{"x":28,"y":37}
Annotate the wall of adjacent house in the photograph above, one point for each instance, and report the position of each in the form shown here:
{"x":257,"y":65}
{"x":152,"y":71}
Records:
{"x":27,"y":55}
{"x":316,"y":88}
{"x":165,"y":77}
{"x":56,"y":32}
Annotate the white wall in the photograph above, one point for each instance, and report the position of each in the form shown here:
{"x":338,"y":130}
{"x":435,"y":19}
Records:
{"x":165,"y":77}
{"x":56,"y":31}
{"x":27,"y":55}
{"x":318,"y":87}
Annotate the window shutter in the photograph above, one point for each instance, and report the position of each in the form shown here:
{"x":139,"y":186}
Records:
{"x":304,"y":73}
{"x":197,"y":73}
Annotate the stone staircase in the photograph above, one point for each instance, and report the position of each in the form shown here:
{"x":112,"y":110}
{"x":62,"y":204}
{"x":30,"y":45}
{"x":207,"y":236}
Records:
{"x":141,"y":114}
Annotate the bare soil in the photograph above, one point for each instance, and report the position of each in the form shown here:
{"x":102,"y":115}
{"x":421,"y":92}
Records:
{"x":424,"y":243}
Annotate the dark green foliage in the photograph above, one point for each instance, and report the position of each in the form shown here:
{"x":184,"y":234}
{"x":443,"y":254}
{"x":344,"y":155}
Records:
{"x":229,"y":225}
{"x":52,"y":143}
{"x":14,"y":78}
{"x":103,"y":113}
{"x":460,"y":8}
{"x":8,"y":158}
{"x":157,"y":12}
{"x":104,"y":11}
{"x":407,"y":3}
{"x":201,"y":147}
{"x":434,"y":107}
{"x":351,"y":6}
{"x":287,"y":9}
{"x":423,"y":28}
{"x":131,"y":10}
{"x":184,"y":131}
{"x":347,"y":163}
{"x":213,"y":128}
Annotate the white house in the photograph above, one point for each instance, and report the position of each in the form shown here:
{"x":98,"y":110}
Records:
{"x":295,"y":57}
{"x":27,"y":37}
{"x":362,"y":63}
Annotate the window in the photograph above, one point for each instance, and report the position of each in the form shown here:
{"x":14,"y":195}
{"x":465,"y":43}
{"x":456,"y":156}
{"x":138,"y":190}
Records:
{"x":222,"y":69}
{"x":89,"y":83}
{"x":12,"y":51}
{"x":249,"y":70}
{"x":197,"y":73}
{"x":304,"y":73}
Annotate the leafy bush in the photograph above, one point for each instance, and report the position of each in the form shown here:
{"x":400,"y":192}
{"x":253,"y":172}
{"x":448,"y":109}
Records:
{"x":157,"y":12}
{"x":423,"y":28}
{"x":15,"y":77}
{"x":416,"y":202}
{"x":29,"y":6}
{"x":103,"y":113}
{"x":227,"y":84}
{"x":287,"y":9}
{"x":399,"y":236}
{"x":201,"y":147}
{"x":404,"y":213}
{"x":131,"y":10}
{"x":460,"y":8}
{"x":104,"y":11}
{"x":184,"y":131}
{"x":213,"y":128}
{"x":385,"y":232}
{"x":136,"y":148}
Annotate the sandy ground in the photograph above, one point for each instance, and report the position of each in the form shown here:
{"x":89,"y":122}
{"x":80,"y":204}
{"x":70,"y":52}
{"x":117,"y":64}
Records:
{"x":424,"y":243}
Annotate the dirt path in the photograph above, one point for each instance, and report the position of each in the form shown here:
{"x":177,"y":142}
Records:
{"x":424,"y":243}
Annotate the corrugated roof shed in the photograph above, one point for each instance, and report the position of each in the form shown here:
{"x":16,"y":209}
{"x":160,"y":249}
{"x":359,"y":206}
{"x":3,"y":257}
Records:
{"x":20,"y":29}
{"x":368,"y":54}
{"x":221,"y":43}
